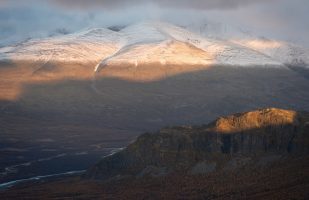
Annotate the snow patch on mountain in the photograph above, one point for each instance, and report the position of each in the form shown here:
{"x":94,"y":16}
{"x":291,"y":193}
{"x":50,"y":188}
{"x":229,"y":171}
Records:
{"x":85,"y":46}
{"x":283,"y":52}
{"x":148,"y":42}
{"x":157,"y":42}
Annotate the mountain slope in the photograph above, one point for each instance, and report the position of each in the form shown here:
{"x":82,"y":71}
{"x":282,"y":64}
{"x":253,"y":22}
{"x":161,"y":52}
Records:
{"x":166,"y":44}
{"x":283,"y":52}
{"x":82,"y":47}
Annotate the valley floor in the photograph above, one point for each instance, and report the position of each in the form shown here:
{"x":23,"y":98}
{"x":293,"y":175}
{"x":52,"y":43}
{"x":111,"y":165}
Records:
{"x":288,"y":179}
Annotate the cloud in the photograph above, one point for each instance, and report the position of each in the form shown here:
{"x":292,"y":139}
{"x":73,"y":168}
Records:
{"x":3,"y":3}
{"x":278,"y":19}
{"x":188,"y":4}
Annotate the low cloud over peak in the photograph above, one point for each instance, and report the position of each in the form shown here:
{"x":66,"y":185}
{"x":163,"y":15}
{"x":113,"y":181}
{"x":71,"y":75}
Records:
{"x":277,"y":19}
{"x":121,"y":4}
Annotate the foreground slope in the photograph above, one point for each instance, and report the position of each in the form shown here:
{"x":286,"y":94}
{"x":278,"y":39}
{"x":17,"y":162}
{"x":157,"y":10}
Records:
{"x":261,"y":154}
{"x":252,"y":138}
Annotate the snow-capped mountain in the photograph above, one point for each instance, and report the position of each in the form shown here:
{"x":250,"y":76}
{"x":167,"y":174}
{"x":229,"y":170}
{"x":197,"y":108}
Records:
{"x":156,"y":42}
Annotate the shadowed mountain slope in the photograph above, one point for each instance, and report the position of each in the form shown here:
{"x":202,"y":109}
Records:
{"x":251,"y":138}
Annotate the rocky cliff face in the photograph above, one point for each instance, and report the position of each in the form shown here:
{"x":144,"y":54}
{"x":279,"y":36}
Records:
{"x":247,"y":139}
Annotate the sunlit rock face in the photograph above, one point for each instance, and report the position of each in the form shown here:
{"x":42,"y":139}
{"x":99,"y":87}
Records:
{"x":252,"y":138}
{"x":255,"y":120}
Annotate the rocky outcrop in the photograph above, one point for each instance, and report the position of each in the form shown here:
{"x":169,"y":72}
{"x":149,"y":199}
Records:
{"x":254,"y":138}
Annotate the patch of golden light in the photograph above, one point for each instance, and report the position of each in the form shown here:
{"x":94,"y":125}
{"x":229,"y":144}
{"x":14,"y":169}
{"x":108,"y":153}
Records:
{"x":261,"y":44}
{"x":157,"y":63}
{"x":254,"y":120}
{"x":152,"y":64}
{"x":165,"y":53}
{"x":15,"y":76}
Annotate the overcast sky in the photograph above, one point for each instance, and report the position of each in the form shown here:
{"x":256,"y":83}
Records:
{"x":278,"y":19}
